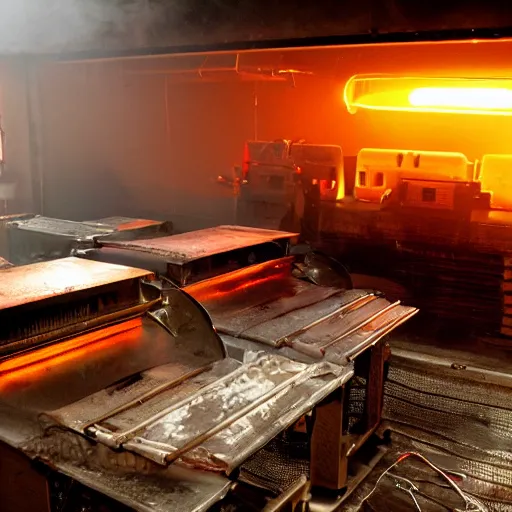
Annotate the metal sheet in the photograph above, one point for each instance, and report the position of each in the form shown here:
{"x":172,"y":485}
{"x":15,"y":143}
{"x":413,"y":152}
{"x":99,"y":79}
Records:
{"x":270,"y":301}
{"x":297,"y":321}
{"x":175,"y":490}
{"x":349,"y":347}
{"x":336,"y":326}
{"x":184,"y":248}
{"x":233,"y":445}
{"x":63,"y":228}
{"x":153,"y":390}
{"x":122,"y":223}
{"x":265,"y":304}
{"x":214,"y":420}
{"x":40,"y":281}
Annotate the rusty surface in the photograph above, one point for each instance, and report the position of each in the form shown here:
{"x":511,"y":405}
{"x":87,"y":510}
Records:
{"x":40,"y":281}
{"x":188,"y":247}
{"x":150,"y":27}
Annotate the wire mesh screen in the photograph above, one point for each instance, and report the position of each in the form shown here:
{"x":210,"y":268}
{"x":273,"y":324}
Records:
{"x":355,"y":405}
{"x":279,"y":464}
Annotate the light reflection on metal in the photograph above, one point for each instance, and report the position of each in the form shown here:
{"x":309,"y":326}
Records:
{"x":480,"y":96}
{"x":32,"y":363}
{"x":264,"y":304}
{"x":41,"y":281}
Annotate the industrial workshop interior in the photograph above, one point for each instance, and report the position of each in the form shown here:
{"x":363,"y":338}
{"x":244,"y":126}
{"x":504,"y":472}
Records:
{"x":255,"y":257}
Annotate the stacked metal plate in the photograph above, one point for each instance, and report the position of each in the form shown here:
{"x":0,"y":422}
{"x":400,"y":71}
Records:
{"x":506,"y":325}
{"x":189,"y":257}
{"x":43,"y":238}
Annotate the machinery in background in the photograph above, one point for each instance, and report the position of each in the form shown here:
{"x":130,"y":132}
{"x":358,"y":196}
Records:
{"x":437,"y":224}
{"x":275,"y":177}
{"x":431,"y":223}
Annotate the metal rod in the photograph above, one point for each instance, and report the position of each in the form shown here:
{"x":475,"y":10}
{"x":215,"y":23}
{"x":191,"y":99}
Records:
{"x":124,"y":436}
{"x":377,"y":335}
{"x":361,"y":325}
{"x":356,"y":303}
{"x":285,"y":386}
{"x":149,"y":394}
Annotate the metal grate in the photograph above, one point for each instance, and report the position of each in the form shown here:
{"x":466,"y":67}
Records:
{"x":355,"y":405}
{"x":279,"y":464}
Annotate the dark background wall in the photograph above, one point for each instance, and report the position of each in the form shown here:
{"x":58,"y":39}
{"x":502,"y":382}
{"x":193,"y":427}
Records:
{"x":128,"y":137}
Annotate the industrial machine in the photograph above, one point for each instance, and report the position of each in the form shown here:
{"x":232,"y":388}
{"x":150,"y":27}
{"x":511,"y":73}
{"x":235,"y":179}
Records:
{"x":118,"y":381}
{"x":432,"y":222}
{"x":279,"y":180}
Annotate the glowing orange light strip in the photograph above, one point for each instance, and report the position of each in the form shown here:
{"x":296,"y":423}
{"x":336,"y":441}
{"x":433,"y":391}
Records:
{"x":438,"y":95}
{"x":64,"y":351}
{"x":460,"y":97}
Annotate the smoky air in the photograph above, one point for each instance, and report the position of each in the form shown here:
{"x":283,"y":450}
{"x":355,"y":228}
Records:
{"x":54,"y":26}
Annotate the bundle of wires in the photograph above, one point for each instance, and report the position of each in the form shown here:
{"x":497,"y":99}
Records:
{"x":471,"y":504}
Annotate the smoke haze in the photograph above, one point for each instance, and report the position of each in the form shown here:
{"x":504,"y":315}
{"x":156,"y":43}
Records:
{"x":54,"y":26}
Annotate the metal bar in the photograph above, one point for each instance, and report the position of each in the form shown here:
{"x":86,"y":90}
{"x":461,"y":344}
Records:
{"x":284,"y":386}
{"x":360,"y":326}
{"x":149,"y":394}
{"x":360,"y":301}
{"x":377,"y":335}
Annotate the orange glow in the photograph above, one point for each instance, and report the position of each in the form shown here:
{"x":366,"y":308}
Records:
{"x":422,"y":94}
{"x":40,"y":360}
{"x":233,"y":283}
{"x":496,"y":179}
{"x":463,"y":98}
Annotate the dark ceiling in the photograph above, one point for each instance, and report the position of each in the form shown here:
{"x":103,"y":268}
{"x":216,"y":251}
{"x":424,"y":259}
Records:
{"x":94,"y":28}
